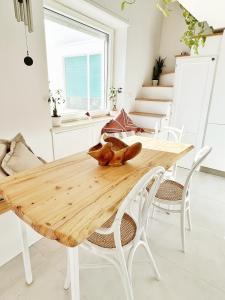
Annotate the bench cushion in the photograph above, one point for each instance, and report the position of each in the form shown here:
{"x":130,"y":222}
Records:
{"x":20,"y":157}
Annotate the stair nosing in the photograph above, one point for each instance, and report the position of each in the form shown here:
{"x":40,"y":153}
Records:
{"x":149,"y":130}
{"x":158,"y":86}
{"x":144,"y":114}
{"x":167,"y":73}
{"x":153,"y":100}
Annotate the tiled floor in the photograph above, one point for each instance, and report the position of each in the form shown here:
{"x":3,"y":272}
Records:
{"x":199,"y":274}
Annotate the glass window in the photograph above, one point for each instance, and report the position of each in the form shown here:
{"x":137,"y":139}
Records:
{"x":77,"y":63}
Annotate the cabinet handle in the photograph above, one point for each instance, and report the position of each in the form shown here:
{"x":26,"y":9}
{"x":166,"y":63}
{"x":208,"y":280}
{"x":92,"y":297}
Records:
{"x":213,"y":59}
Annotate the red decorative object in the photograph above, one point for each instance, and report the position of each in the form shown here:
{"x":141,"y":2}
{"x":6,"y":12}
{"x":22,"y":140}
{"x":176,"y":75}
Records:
{"x":122,"y":123}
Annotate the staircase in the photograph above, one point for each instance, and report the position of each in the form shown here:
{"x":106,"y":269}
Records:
{"x":153,"y":107}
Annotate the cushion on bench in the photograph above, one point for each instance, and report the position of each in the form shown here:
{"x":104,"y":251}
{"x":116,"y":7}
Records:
{"x":20,"y":157}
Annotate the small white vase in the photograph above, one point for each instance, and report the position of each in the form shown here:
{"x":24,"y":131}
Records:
{"x":56,"y":121}
{"x":155,"y":82}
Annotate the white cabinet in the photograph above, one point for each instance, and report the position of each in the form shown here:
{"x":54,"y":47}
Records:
{"x":215,"y":134}
{"x":215,"y":137}
{"x":71,"y":142}
{"x":72,"y":139}
{"x":217,"y":111}
{"x":193,"y":86}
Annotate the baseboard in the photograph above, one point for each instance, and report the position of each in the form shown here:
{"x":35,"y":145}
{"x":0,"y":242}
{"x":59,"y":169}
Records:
{"x":212,"y":171}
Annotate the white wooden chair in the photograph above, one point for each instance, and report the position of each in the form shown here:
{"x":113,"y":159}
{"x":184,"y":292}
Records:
{"x":173,"y":197}
{"x":171,"y":134}
{"x":124,"y":233}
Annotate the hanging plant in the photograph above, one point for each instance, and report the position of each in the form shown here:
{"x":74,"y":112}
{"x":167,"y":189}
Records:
{"x":163,"y":6}
{"x":194,"y":36}
{"x":125,"y":3}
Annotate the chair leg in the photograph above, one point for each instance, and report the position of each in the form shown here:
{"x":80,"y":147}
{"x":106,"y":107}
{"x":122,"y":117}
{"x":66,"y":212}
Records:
{"x":125,"y":275}
{"x":67,"y":280}
{"x":182,"y":223}
{"x":153,"y":210}
{"x":74,"y":273}
{"x":25,"y":253}
{"x":189,"y":219}
{"x":147,"y":248}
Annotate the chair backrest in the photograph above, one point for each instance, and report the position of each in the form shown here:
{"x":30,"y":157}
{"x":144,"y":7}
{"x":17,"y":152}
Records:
{"x":142,"y":198}
{"x":199,"y":157}
{"x":170,"y":132}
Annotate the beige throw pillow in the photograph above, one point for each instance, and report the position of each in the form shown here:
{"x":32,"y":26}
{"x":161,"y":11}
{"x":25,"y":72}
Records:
{"x":3,"y":151}
{"x":20,"y":157}
{"x":4,"y":145}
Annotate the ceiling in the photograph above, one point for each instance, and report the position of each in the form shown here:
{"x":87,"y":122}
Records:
{"x":212,"y":11}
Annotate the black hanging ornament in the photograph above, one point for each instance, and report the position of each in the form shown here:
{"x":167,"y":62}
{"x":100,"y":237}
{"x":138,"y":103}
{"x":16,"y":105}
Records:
{"x":27,"y":60}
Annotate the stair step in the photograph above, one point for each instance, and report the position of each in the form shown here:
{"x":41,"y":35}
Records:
{"x":149,"y":120}
{"x":167,"y":79}
{"x":157,"y":86}
{"x":154,"y":100}
{"x":158,"y":92}
{"x":149,"y":130}
{"x":152,"y":106}
{"x":167,"y":73}
{"x":144,"y":114}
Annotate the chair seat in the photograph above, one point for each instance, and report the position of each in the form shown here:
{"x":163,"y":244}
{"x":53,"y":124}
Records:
{"x":128,"y":232}
{"x":170,"y":190}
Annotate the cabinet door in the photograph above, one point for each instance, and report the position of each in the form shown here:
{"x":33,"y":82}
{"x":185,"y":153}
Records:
{"x":71,"y":142}
{"x":193,"y":85}
{"x":215,"y":138}
{"x":217,"y":109}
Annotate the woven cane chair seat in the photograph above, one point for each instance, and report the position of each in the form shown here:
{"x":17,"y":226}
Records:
{"x":170,"y":190}
{"x":128,"y":231}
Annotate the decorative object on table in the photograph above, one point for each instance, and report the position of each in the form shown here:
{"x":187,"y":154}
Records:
{"x":122,"y":123}
{"x":56,"y":100}
{"x":113,"y":94}
{"x":115,"y":152}
{"x":157,"y":71}
{"x":23,"y":13}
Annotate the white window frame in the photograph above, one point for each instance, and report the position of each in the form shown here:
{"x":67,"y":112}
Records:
{"x":75,"y":16}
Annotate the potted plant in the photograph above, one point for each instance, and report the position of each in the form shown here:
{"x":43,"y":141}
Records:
{"x":113,"y":94}
{"x":56,"y":100}
{"x":159,"y":65}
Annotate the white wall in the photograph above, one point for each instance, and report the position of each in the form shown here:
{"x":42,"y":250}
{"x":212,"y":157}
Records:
{"x":172,"y":30}
{"x":23,"y":101}
{"x":24,"y":90}
{"x":143,"y":42}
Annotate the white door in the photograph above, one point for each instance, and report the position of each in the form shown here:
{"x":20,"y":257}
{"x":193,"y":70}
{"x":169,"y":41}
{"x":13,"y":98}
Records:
{"x":194,"y":78}
{"x":215,"y":138}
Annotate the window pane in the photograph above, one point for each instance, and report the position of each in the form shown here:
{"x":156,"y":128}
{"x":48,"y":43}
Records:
{"x":77,"y":63}
{"x":96,"y":79}
{"x":76,"y":79}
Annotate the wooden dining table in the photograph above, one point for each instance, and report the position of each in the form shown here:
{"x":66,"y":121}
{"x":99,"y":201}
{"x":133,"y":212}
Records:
{"x":68,"y":199}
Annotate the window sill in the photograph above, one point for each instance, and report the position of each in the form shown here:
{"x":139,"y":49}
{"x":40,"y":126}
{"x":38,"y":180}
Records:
{"x":75,"y":125}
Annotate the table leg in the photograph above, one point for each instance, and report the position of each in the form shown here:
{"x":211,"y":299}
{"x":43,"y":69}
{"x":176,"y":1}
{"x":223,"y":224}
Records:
{"x":74,"y":273}
{"x":25,"y":252}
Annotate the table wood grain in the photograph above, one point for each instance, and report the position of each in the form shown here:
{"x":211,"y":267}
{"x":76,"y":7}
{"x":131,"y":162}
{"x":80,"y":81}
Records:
{"x":68,"y":199}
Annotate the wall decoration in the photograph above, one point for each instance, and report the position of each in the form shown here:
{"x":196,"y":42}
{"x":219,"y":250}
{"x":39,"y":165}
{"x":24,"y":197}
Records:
{"x":23,"y":13}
